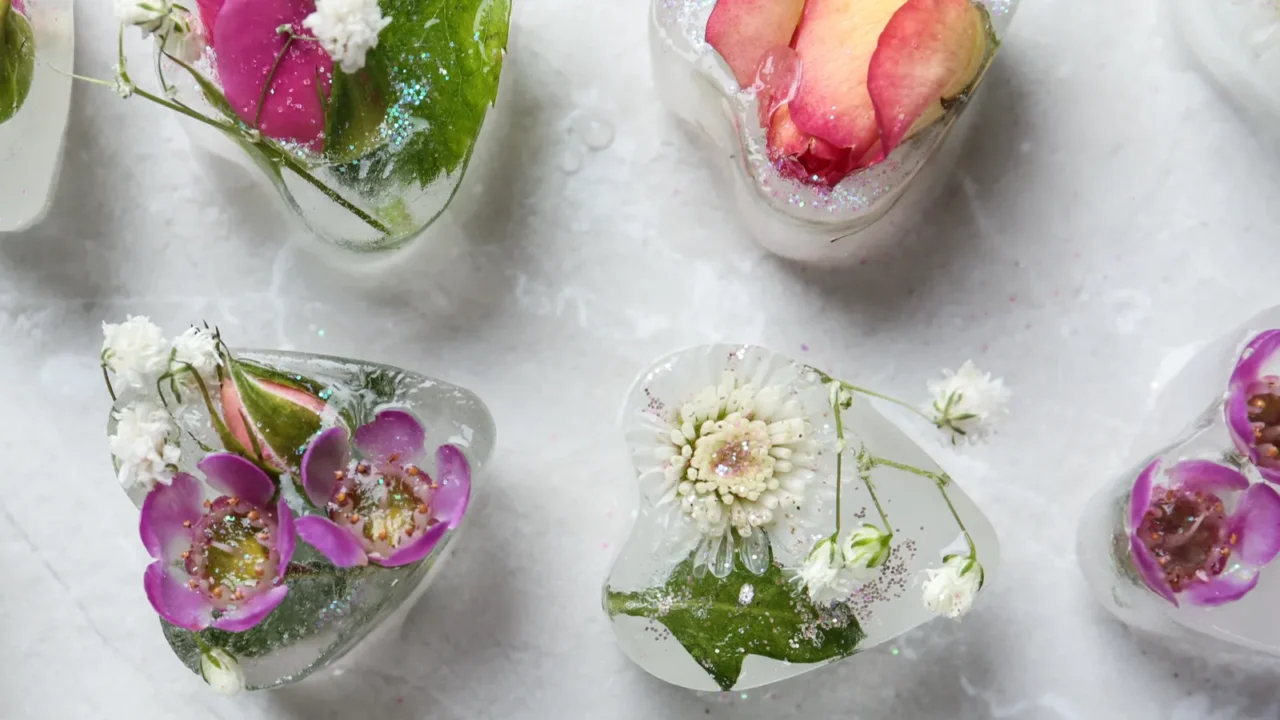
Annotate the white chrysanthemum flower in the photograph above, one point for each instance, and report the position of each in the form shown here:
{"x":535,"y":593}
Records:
{"x":197,"y":347}
{"x":735,"y":455}
{"x":865,"y":550}
{"x":135,"y":350}
{"x":950,"y":591}
{"x":347,"y":29}
{"x":141,"y":446}
{"x":221,"y":671}
{"x":967,"y":402}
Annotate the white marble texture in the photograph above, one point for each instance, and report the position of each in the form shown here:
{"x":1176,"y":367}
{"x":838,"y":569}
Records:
{"x":1110,"y":208}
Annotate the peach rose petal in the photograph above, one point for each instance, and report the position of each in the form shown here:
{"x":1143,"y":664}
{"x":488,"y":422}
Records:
{"x":835,"y":42}
{"x":930,"y":51}
{"x":742,"y":31}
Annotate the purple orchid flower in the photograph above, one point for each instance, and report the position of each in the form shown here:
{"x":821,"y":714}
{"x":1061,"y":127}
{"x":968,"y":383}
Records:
{"x":384,"y":508}
{"x":1253,"y":405}
{"x":218,"y":562}
{"x":1185,"y":544}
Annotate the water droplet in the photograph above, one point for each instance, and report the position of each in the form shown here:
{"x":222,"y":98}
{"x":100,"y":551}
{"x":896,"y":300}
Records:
{"x":570,"y":161}
{"x":596,"y":132}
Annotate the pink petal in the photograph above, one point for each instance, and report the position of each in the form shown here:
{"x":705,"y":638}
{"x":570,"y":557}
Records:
{"x":209,"y":10}
{"x":1236,"y":411}
{"x":173,"y":600}
{"x":164,"y":511}
{"x":252,"y":611}
{"x":234,"y":476}
{"x":248,"y":45}
{"x":1222,"y":589}
{"x":336,"y":543}
{"x":1206,"y":476}
{"x":415,"y":550}
{"x":1256,"y":525}
{"x":1150,"y":570}
{"x":392,"y":432}
{"x":1140,"y":498}
{"x":328,"y":454}
{"x":449,"y":500}
{"x":1254,"y":357}
{"x":286,"y":535}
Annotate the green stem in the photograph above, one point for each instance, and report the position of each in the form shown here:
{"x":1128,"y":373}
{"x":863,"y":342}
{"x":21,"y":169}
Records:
{"x":272,"y":153}
{"x":271,"y":76}
{"x":872,"y":393}
{"x":884,"y":517}
{"x":836,"y":410}
{"x":107,"y":379}
{"x":939,"y":479}
{"x":866,"y":477}
{"x":289,"y":162}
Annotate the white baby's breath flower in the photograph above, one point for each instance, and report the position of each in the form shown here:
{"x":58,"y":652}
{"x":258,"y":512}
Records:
{"x":185,"y":42}
{"x":197,"y":347}
{"x":735,"y":455}
{"x":950,"y":591}
{"x":827,"y":576}
{"x":221,"y":671}
{"x":967,"y":402}
{"x":135,"y":350}
{"x":141,"y":446}
{"x":347,"y":29}
{"x":865,"y":550}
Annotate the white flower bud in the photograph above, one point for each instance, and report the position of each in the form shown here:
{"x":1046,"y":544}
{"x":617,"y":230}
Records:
{"x":221,"y":671}
{"x":950,"y":591}
{"x":865,"y":549}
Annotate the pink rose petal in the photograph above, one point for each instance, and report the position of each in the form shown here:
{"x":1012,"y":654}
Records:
{"x":248,"y":44}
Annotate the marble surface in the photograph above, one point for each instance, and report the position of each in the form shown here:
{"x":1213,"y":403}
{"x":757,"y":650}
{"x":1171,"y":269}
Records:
{"x":1109,"y":208}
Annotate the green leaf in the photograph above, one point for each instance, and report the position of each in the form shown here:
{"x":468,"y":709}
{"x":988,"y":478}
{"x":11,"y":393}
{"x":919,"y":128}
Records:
{"x":441,"y":60}
{"x":709,"y":617}
{"x":354,"y":116}
{"x":17,"y":60}
{"x":285,"y":425}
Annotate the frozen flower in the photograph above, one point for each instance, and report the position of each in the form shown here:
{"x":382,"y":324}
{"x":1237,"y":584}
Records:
{"x":221,"y":671}
{"x":383,"y":508}
{"x":866,"y":549}
{"x":950,"y":590}
{"x":1253,"y":404}
{"x":1185,"y":543}
{"x":821,"y":570}
{"x":219,"y":562}
{"x":135,"y":350}
{"x":347,"y":29}
{"x":734,"y":461}
{"x":271,"y":415}
{"x":967,"y":402}
{"x":735,"y":455}
{"x":832,"y":572}
{"x":185,"y":43}
{"x":197,"y":347}
{"x":158,"y":17}
{"x":140,"y":446}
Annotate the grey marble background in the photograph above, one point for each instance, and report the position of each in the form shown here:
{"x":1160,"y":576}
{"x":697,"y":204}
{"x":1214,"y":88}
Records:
{"x":1109,"y":207}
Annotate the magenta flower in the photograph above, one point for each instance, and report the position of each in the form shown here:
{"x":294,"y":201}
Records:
{"x":1253,"y":405}
{"x":1183,"y":541}
{"x":245,"y":37}
{"x":218,"y":562}
{"x":383,"y":508}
